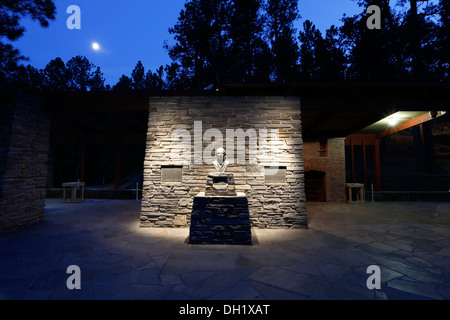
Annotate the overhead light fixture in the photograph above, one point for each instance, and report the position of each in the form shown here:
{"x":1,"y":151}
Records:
{"x":392,"y":121}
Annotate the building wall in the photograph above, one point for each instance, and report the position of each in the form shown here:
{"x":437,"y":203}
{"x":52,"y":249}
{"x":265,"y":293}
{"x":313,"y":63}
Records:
{"x":24,"y":147}
{"x":278,"y":205}
{"x":328,"y":156}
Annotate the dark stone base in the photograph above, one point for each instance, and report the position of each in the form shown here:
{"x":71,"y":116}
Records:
{"x":220,"y":220}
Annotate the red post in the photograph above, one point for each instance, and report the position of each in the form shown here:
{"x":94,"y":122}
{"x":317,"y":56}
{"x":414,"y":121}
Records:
{"x":364,"y":161}
{"x":377,"y":166}
{"x":352,"y":148}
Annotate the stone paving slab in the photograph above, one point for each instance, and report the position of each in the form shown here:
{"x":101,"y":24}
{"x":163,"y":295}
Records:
{"x":118,"y":260}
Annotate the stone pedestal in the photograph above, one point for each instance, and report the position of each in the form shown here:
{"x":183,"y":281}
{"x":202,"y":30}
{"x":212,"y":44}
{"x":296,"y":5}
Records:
{"x":220,"y":184}
{"x":220,"y":220}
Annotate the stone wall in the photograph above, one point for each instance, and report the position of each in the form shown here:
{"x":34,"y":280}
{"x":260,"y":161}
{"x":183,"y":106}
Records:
{"x":272,"y":205}
{"x":24,"y":144}
{"x":328,"y":156}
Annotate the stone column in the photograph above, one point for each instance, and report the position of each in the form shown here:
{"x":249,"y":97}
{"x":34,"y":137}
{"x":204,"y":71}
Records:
{"x":24,"y":146}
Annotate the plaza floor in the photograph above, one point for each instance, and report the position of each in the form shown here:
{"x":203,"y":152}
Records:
{"x":410,"y":242}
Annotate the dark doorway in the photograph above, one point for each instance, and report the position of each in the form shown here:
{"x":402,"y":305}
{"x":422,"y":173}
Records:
{"x":315,"y":186}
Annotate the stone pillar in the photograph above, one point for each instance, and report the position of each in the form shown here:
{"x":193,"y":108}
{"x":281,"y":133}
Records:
{"x":24,"y":146}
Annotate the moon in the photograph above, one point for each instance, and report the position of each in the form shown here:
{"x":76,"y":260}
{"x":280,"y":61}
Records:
{"x":95,"y":46}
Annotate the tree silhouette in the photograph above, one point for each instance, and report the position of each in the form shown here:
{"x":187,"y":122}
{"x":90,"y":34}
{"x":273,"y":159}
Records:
{"x":244,"y":41}
{"x":201,"y":43}
{"x":78,"y":74}
{"x":124,"y":84}
{"x":280,"y":18}
{"x":56,"y":76}
{"x":155,"y":81}
{"x":97,"y":81}
{"x":11,"y":12}
{"x":405,"y":49}
{"x":251,"y":54}
{"x":138,"y":77}
{"x":444,"y":40}
{"x":309,"y":39}
{"x":80,"y":70}
{"x":177,"y":78}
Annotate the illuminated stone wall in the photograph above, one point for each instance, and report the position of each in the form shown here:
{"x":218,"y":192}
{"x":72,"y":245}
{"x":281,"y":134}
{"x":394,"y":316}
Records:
{"x":167,"y":201}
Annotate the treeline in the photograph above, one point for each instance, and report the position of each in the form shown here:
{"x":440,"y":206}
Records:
{"x":79,"y":74}
{"x":255,"y":41}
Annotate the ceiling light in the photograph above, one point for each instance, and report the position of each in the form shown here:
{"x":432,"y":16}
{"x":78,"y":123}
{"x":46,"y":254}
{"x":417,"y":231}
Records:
{"x":392,"y":121}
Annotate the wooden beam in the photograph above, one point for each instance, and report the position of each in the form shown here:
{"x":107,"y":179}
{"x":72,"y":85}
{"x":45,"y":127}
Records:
{"x":364,"y":162}
{"x":357,"y":138}
{"x":353,"y":160}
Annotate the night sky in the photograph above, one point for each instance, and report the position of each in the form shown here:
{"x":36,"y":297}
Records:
{"x":129,"y":31}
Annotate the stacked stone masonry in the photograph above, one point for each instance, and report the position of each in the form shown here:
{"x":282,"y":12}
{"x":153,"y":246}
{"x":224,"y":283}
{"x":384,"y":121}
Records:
{"x":24,"y":145}
{"x":330,"y":161}
{"x":271,"y":205}
{"x":220,"y":220}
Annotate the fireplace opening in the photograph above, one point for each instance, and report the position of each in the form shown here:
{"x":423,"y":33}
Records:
{"x":315,"y":186}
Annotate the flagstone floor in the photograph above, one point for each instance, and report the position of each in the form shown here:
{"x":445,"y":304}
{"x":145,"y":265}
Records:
{"x":410,"y":242}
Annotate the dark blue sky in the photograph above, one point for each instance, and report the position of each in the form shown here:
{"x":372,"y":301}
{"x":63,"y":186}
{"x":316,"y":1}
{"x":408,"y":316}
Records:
{"x":133,"y":30}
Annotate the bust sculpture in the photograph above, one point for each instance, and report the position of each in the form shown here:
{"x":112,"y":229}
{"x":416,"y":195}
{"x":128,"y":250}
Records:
{"x":220,"y":163}
{"x":220,"y":183}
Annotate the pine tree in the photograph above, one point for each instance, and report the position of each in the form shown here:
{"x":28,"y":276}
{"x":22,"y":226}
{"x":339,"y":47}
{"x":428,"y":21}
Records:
{"x":201,"y":40}
{"x":124,"y":84}
{"x":56,"y":76}
{"x":155,"y":81}
{"x":374,"y":55}
{"x":97,"y":81}
{"x":281,"y":15}
{"x":310,"y":39}
{"x":11,"y":12}
{"x":80,"y":72}
{"x":251,"y":54}
{"x":138,"y":77}
{"x":444,"y":40}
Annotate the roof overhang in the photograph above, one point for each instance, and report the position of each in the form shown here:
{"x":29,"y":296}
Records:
{"x":341,"y":109}
{"x":399,"y":121}
{"x":328,"y":109}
